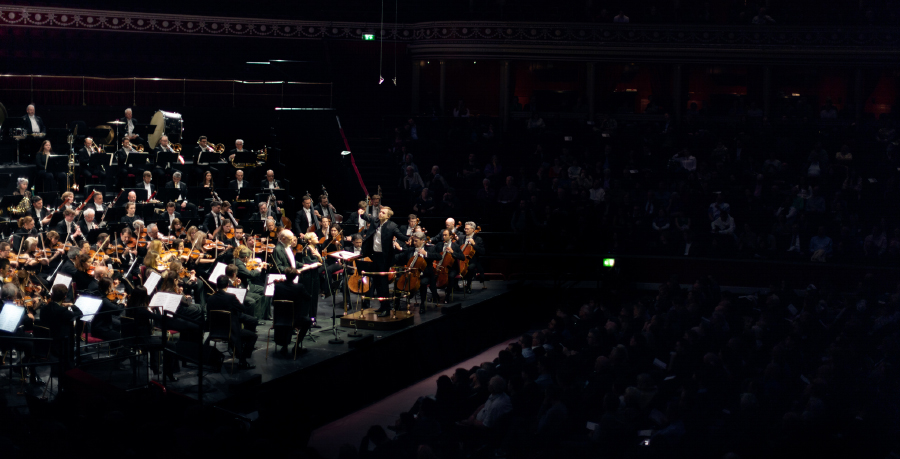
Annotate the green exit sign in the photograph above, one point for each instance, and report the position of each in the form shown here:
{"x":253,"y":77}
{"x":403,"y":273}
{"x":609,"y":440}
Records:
{"x":609,"y":262}
{"x":368,"y":36}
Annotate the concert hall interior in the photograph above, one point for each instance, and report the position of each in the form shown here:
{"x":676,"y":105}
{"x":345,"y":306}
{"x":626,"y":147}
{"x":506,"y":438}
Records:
{"x":458,"y":229}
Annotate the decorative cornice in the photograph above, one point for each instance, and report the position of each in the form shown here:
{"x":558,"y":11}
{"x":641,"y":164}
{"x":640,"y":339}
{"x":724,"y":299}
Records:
{"x":494,"y":38}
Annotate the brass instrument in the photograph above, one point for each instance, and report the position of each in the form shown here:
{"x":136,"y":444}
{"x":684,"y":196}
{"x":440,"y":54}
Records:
{"x":70,"y":174}
{"x":22,"y":208}
{"x":263,"y":155}
{"x":139,"y":149}
{"x":176,"y":147}
{"x":220,"y":148}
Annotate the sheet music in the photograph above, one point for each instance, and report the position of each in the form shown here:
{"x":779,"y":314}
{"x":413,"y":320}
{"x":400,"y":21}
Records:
{"x":219,"y":270}
{"x":152,"y":281}
{"x":167,"y":301}
{"x":10,"y":317}
{"x":89,"y":306}
{"x":270,"y":283}
{"x":240,"y":293}
{"x":343,"y":255}
{"x":62,"y":279}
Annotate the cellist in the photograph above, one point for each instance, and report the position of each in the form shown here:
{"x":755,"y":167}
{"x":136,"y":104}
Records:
{"x":473,"y":242}
{"x":448,"y":248}
{"x":427,"y":278}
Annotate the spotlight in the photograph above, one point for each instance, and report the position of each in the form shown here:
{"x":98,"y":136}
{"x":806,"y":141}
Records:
{"x":345,"y":153}
{"x":380,"y":79}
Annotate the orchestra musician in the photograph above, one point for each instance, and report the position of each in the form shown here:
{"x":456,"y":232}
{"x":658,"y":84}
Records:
{"x":68,"y":201}
{"x":49,"y":179}
{"x":22,"y":188}
{"x":265,"y":213}
{"x":475,"y":266}
{"x":242,"y":338}
{"x":170,"y":216}
{"x":427,"y":278}
{"x":33,"y":123}
{"x":207,"y":181}
{"x":209,"y":155}
{"x":252,"y":279}
{"x":306,"y":218}
{"x":122,"y":156}
{"x":103,"y":326}
{"x":373,"y":210}
{"x":325,"y":209}
{"x":68,"y":226}
{"x":97,"y":204}
{"x":309,"y":254}
{"x":449,"y":224}
{"x":146,"y":178}
{"x":182,"y":193}
{"x":129,"y":216}
{"x":85,"y":153}
{"x":269,"y":182}
{"x":159,"y":170}
{"x":130,"y":133}
{"x":40,"y":215}
{"x":213,"y":219}
{"x":379,"y":246}
{"x":87,"y":224}
{"x":238,"y":148}
{"x":237,"y":183}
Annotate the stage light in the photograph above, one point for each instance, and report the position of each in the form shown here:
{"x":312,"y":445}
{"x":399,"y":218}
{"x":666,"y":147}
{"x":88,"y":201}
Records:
{"x":345,"y":153}
{"x":609,"y":262}
{"x":368,"y":36}
{"x":380,"y":80}
{"x":259,"y":63}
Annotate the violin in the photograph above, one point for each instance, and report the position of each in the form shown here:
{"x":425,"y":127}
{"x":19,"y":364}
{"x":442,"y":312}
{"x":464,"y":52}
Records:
{"x":229,"y":234}
{"x":115,"y":295}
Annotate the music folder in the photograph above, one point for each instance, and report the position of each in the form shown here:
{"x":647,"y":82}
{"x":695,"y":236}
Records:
{"x":344,"y":255}
{"x":56,"y":163}
{"x":10,"y":317}
{"x":89,"y":307}
{"x":167,"y":301}
{"x":137,"y":159}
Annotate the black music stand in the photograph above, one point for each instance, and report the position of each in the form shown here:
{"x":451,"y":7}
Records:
{"x":12,"y":123}
{"x":244,"y":157}
{"x":343,"y":257}
{"x":99,"y":160}
{"x":121,"y":200}
{"x":247,"y":193}
{"x":92,"y":234}
{"x":166,"y":157}
{"x":138,"y":160}
{"x":8,"y":227}
{"x":254,"y":226}
{"x":140,"y":193}
{"x":168,"y":194}
{"x":88,"y":189}
{"x":56,"y":164}
{"x":280,"y":195}
{"x":114,"y":228}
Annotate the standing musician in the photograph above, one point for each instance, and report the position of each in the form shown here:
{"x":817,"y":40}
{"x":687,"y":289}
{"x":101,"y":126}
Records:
{"x":182,"y":193}
{"x":40,"y":160}
{"x":33,"y":123}
{"x":40,"y":215}
{"x":475,"y":266}
{"x":325,"y":209}
{"x":310,"y":278}
{"x":85,"y":153}
{"x":283,"y":256}
{"x":306,"y":218}
{"x":448,"y":246}
{"x":286,"y":289}
{"x":379,"y":245}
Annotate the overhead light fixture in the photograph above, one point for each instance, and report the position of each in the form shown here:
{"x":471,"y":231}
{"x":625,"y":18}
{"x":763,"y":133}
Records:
{"x":368,"y":36}
{"x":259,"y":63}
{"x":345,"y":153}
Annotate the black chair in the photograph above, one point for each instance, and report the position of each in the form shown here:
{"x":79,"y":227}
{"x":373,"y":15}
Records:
{"x":283,"y":311}
{"x":220,"y":330}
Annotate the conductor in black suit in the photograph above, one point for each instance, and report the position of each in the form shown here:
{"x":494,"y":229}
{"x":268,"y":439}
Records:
{"x":379,"y":245}
{"x":242,"y":339}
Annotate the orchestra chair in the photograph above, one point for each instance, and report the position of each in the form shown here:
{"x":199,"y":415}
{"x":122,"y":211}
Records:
{"x":282,"y":316}
{"x":220,"y":331}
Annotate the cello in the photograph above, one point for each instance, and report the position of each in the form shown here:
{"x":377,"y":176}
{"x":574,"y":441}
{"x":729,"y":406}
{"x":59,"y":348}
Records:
{"x":442,"y":269}
{"x":410,"y":281}
{"x":358,"y":283}
{"x":469,"y":252}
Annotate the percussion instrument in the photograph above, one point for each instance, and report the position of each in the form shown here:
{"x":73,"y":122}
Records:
{"x":167,"y":123}
{"x":109,"y":137}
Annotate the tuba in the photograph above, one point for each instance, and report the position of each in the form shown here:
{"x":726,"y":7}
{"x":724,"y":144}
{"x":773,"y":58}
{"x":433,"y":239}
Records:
{"x":22,"y":208}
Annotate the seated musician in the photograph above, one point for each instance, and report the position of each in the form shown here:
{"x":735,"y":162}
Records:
{"x":410,"y":228}
{"x":214,"y":218}
{"x":132,"y":197}
{"x":138,"y":309}
{"x":122,"y":155}
{"x":104,"y":326}
{"x":9,"y":293}
{"x":27,"y":227}
{"x":238,"y":148}
{"x":68,"y":201}
{"x":475,"y":266}
{"x":170,"y":216}
{"x":97,"y":204}
{"x":129,"y":216}
{"x":153,"y":233}
{"x":324,"y":229}
{"x":256,"y":303}
{"x":237,"y":183}
{"x":176,"y":229}
{"x":68,"y":227}
{"x":181,"y":200}
{"x":427,"y":277}
{"x":449,"y":224}
{"x":444,"y":247}
{"x":332,"y":243}
{"x":187,"y":279}
{"x":227,"y":213}
{"x":325,"y":209}
{"x":225,"y":234}
{"x":269,"y":182}
{"x":163,"y":167}
{"x":272,"y":229}
{"x":146,"y":178}
{"x":88,"y":223}
{"x":50,"y":179}
{"x":169,"y":284}
{"x":205,"y":262}
{"x":84,"y":158}
{"x":243,"y":338}
{"x":207,"y":181}
{"x":22,"y":188}
{"x":208,"y":155}
{"x":59,"y":318}
{"x":40,"y":215}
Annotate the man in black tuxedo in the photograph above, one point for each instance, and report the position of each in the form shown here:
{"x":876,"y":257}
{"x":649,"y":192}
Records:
{"x":181,"y":199}
{"x":265,"y":212}
{"x":238,"y":183}
{"x":427,"y":278}
{"x":270,"y":182}
{"x":325,"y":209}
{"x":68,"y":226}
{"x":40,"y":215}
{"x":33,"y":123}
{"x":162,"y":168}
{"x":475,"y":266}
{"x":238,"y":148}
{"x":88,"y":222}
{"x":209,"y":156}
{"x":84,"y":158}
{"x":214,"y":218}
{"x":146,"y":178}
{"x":305,"y":217}
{"x":130,"y":130}
{"x":380,"y":246}
{"x":448,"y":246}
{"x":97,"y":204}
{"x":170,"y":215}
{"x":242,"y":339}
{"x":122,"y":155}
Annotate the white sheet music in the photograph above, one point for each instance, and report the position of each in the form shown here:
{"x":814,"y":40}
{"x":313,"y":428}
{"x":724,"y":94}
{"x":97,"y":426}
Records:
{"x":343,"y":255}
{"x":89,"y":306}
{"x":168,"y":301}
{"x":10,"y":317}
{"x":270,"y":283}
{"x":62,"y":279}
{"x":219,"y":270}
{"x":152,"y":281}
{"x":240,"y":293}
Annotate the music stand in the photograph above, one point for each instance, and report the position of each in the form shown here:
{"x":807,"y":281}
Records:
{"x":88,"y":189}
{"x":139,"y":160}
{"x":248,"y":194}
{"x":99,"y":160}
{"x":168,"y":194}
{"x":166,"y":157}
{"x":140,"y":193}
{"x":343,"y":257}
{"x":16,"y":123}
{"x":244,"y":157}
{"x":56,"y":163}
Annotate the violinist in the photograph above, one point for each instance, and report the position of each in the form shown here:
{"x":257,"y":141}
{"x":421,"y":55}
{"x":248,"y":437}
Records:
{"x":126,"y":248}
{"x":104,"y":325}
{"x":475,"y":266}
{"x":9,"y":293}
{"x":6,"y":270}
{"x":252,"y":279}
{"x":152,"y":259}
{"x":200,"y":260}
{"x":187,"y":279}
{"x":272,"y":229}
{"x":27,"y":227}
{"x":176,"y":229}
{"x":332,"y":244}
{"x":100,"y":272}
{"x":447,"y":246}
{"x":153,"y":233}
{"x":85,"y":271}
{"x":33,"y":259}
{"x":227,"y":214}
{"x":254,"y":302}
{"x":324,"y":230}
{"x":170,"y":216}
{"x":40,"y":215}
{"x":129,"y":216}
{"x":6,"y":254}
{"x":191,"y":234}
{"x":226,"y":235}
{"x":411,"y":227}
{"x":310,"y":279}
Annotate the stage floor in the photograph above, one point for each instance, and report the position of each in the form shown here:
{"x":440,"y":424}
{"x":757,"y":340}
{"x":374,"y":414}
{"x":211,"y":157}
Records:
{"x":318,"y":351}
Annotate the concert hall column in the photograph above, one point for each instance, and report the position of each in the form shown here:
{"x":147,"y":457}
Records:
{"x":414,"y":83}
{"x":767,"y":88}
{"x":443,"y":86}
{"x":504,"y":95}
{"x":676,"y":92}
{"x":589,"y":90}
